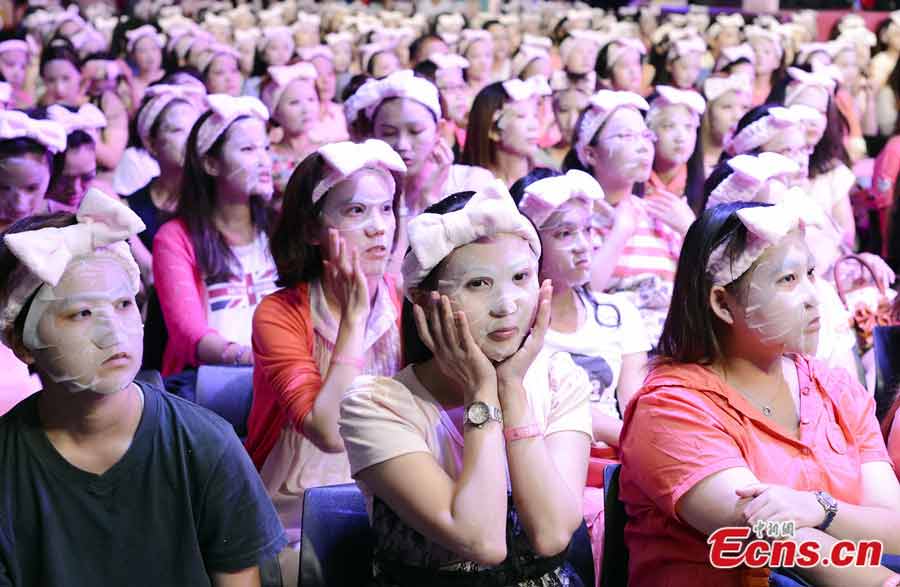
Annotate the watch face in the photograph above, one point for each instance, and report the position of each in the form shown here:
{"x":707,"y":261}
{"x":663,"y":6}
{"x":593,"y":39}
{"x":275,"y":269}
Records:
{"x":478,"y":413}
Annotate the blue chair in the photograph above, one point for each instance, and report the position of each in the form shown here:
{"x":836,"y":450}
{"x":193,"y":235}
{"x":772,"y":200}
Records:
{"x":614,"y":568}
{"x":336,"y":543}
{"x":227,"y":391}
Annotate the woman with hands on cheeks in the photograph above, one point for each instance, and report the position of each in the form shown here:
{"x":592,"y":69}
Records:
{"x":336,"y":317}
{"x":737,"y":423}
{"x":479,"y":397}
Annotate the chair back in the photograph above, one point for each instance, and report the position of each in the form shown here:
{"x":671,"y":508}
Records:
{"x":614,"y":569}
{"x":336,"y":543}
{"x":227,"y":391}
{"x":580,"y":555}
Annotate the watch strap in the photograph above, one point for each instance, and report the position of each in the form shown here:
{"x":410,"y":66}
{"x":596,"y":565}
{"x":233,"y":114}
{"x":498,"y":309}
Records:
{"x":829,"y":504}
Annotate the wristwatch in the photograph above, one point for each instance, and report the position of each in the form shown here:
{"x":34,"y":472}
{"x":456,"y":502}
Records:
{"x":479,"y":413}
{"x":830,"y":505}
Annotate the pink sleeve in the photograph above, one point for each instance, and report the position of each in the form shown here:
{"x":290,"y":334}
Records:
{"x":179,"y":288}
{"x":893,"y":445}
{"x":884,"y":174}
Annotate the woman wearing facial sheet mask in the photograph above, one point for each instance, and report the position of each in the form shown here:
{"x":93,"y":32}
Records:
{"x":676,"y":182}
{"x":782,"y":437}
{"x":211,"y":264}
{"x":97,"y":452}
{"x":336,"y":318}
{"x":163,"y":124}
{"x":144,"y":46}
{"x":570,"y":96}
{"x":75,"y":169}
{"x":727,"y":100}
{"x":27,"y":147}
{"x":603,"y":333}
{"x":403,"y":111}
{"x":769,"y":53}
{"x":332,"y":126}
{"x":221,"y":73}
{"x":479,"y":397}
{"x":275,"y":48}
{"x":636,"y":251}
{"x":504,"y":129}
{"x":289,"y":92}
{"x":619,"y":66}
{"x":16,"y":54}
{"x":447,"y":72}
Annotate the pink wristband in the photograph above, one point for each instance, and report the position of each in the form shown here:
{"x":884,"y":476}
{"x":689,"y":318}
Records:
{"x":357,"y":362}
{"x":522,"y":432}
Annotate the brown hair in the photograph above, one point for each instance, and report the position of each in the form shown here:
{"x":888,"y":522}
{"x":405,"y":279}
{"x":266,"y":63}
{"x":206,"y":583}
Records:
{"x":479,"y":149}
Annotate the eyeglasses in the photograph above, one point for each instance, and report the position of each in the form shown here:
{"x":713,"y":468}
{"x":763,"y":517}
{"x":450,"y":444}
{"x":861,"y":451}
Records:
{"x":646,"y":135}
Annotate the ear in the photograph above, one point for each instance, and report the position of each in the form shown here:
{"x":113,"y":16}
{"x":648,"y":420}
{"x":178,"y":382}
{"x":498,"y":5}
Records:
{"x":592,"y":156}
{"x":22,"y":353}
{"x":719,"y":301}
{"x":494,"y":134}
{"x":211,"y":166}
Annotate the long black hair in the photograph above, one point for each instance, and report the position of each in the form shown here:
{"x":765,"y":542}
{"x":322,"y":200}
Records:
{"x":692,"y":333}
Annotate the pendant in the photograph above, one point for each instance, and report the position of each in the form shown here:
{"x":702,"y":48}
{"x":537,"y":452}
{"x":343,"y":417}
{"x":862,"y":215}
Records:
{"x":767,"y":410}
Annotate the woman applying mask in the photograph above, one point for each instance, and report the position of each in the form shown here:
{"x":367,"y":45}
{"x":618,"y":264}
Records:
{"x":98,"y":453}
{"x":678,"y":173}
{"x":289,"y":92}
{"x":570,"y":96}
{"x":75,"y":169}
{"x":403,"y":111}
{"x":727,"y":100}
{"x":336,"y":318}
{"x":449,"y":78}
{"x":736,"y":423}
{"x":478,"y":398}
{"x":619,"y":66}
{"x":211,"y":263}
{"x":504,"y":130}
{"x":638,"y":250}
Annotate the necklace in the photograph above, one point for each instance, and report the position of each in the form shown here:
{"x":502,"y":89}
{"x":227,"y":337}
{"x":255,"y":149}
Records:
{"x":767,"y":406}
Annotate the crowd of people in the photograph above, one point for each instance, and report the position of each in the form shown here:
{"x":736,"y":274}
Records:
{"x":471,"y":259}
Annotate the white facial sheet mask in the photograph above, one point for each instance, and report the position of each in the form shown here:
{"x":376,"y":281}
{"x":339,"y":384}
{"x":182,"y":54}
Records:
{"x":73,"y":354}
{"x":503,"y":303}
{"x":337,"y":214}
{"x":250,"y":181}
{"x":779,"y":312}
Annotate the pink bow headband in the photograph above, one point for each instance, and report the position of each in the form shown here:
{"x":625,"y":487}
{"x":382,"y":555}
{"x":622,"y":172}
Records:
{"x":225,"y":110}
{"x":544,"y":196}
{"x":104,"y":225}
{"x":273,"y":33}
{"x":761,"y":131}
{"x":468,"y":37}
{"x":524,"y":56}
{"x":599,"y":109}
{"x":534,"y":86}
{"x":281,"y":77}
{"x":749,"y":176}
{"x":686,"y":47}
{"x":26,"y":46}
{"x":432,"y":237}
{"x":400,"y":84}
{"x":146,"y":31}
{"x":213,"y":51}
{"x":316,"y":52}
{"x":561,"y":81}
{"x":158,"y":99}
{"x":346,"y":158}
{"x":756,"y":33}
{"x":16,"y":125}
{"x":618,"y":48}
{"x":369,"y":51}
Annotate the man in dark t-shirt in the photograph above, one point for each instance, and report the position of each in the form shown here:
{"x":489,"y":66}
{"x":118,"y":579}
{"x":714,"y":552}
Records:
{"x":182,"y":507}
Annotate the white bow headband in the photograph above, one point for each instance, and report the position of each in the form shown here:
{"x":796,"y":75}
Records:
{"x":802,"y":80}
{"x":716,"y":87}
{"x":346,"y":158}
{"x":684,"y":47}
{"x":146,"y":31}
{"x":761,"y":131}
{"x":281,"y":77}
{"x":15,"y":124}
{"x":432,"y":237}
{"x":104,"y":223}
{"x":544,"y":196}
{"x":730,"y":55}
{"x":213,"y":51}
{"x":766,"y":226}
{"x":749,"y":176}
{"x":88,"y":118}
{"x":273,"y":33}
{"x":524,"y":56}
{"x":755,"y":32}
{"x":225,"y":110}
{"x":669,"y":96}
{"x":400,"y":84}
{"x":616,"y":50}
{"x":158,"y":98}
{"x":600,"y":107}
